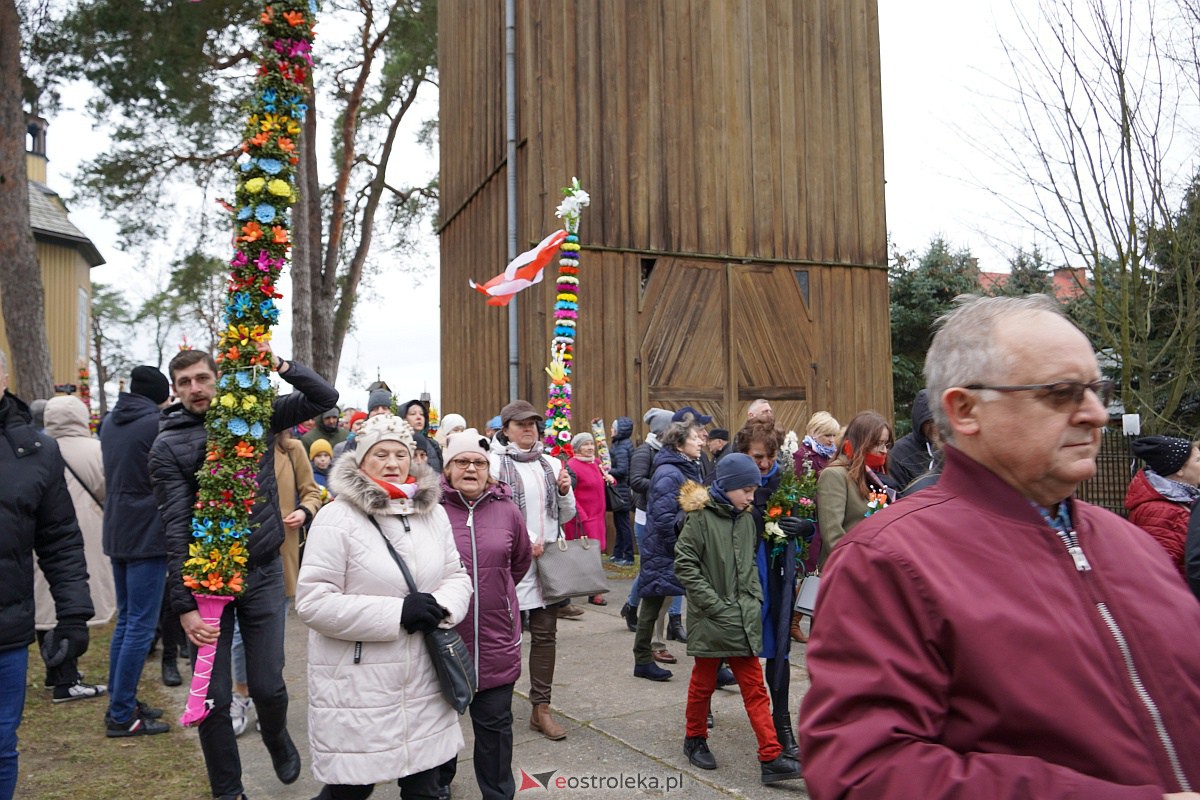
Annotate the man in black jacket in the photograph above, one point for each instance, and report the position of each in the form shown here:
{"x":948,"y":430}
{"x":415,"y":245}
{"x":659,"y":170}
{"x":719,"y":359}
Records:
{"x":36,"y":516}
{"x":916,"y":452}
{"x":175,"y":458}
{"x":134,"y":542}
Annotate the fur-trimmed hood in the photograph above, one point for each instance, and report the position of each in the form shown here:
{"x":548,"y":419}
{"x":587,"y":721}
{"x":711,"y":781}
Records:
{"x":352,"y":485}
{"x":693,"y":496}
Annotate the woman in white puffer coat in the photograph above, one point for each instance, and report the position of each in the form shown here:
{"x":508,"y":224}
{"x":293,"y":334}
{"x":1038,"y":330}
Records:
{"x":376,"y":712}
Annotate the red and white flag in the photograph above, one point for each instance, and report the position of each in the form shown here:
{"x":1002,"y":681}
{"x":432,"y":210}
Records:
{"x":522,"y":272}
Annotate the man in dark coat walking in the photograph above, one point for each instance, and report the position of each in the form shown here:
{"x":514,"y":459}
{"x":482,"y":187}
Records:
{"x":134,"y":542}
{"x":36,"y":516}
{"x":916,"y":452}
{"x":176,"y":456}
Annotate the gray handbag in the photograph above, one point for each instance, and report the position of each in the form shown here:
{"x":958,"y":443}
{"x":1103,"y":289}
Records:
{"x":806,"y":597}
{"x":571,"y":569}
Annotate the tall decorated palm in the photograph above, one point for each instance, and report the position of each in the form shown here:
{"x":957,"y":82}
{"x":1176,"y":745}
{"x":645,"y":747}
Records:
{"x":239,"y":417}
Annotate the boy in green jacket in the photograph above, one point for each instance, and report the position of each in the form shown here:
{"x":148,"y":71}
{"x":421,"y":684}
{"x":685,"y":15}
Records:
{"x":714,"y":561}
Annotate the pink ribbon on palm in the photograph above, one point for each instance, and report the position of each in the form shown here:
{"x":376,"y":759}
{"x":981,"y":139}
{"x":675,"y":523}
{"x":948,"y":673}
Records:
{"x":210,"y":606}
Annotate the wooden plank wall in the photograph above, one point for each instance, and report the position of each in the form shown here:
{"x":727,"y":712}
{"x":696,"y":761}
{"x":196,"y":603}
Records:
{"x":706,"y":131}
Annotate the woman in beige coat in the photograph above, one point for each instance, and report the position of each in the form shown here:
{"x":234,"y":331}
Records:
{"x":376,"y":712}
{"x":66,"y":420}
{"x":299,"y":502}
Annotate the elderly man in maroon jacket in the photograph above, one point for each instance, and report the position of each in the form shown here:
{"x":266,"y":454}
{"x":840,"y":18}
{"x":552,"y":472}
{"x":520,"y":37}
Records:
{"x":993,"y":637}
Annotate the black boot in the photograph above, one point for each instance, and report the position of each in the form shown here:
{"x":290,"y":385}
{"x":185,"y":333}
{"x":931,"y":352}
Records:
{"x":630,"y":614}
{"x":170,"y":673}
{"x":675,"y":628}
{"x":284,"y":756}
{"x":787,"y":740}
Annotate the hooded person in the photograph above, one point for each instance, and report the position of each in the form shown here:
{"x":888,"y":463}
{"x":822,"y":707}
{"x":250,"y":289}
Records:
{"x":376,"y":711}
{"x":416,"y":413}
{"x":67,"y":421}
{"x":327,"y":427}
{"x":916,"y":452}
{"x":620,"y":450}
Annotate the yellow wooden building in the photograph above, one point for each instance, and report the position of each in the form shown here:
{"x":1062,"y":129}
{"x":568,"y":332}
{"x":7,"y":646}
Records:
{"x":735,"y":246}
{"x":66,"y":256}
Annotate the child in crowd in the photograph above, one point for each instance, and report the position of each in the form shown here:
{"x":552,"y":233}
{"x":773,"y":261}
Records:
{"x":320,"y":453}
{"x":714,"y":561}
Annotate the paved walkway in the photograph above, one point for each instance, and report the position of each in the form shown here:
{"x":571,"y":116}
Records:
{"x":625,"y":734}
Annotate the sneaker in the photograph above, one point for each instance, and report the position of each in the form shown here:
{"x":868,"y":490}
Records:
{"x":651,"y":672}
{"x":239,"y":707}
{"x":697,"y":752}
{"x":781,"y":769}
{"x":79,"y":691}
{"x":138,"y":726}
{"x":149,"y":712}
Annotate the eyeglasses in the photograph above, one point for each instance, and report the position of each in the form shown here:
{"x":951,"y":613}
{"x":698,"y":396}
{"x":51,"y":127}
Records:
{"x":1061,"y":394}
{"x":470,"y":463}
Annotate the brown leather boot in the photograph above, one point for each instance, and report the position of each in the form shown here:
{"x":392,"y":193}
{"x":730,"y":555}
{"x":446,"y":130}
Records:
{"x":543,"y":723}
{"x":798,"y":634}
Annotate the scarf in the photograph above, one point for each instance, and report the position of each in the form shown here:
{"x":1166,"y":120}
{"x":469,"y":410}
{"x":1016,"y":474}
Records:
{"x":821,"y":449}
{"x":509,"y":475}
{"x":764,"y":479}
{"x":404,"y":491}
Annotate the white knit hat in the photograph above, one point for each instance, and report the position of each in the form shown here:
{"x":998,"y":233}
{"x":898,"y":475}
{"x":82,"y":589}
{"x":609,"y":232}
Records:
{"x":383,"y":428}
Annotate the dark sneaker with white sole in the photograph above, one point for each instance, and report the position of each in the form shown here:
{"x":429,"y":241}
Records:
{"x":140,"y":725}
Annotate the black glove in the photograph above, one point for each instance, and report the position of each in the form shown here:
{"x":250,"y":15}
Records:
{"x":796,"y":528}
{"x":421,"y":613}
{"x":68,"y":640}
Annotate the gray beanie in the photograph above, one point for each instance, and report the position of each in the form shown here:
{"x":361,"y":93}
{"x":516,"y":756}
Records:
{"x":737,"y":471}
{"x":379,"y":397}
{"x":658,"y":419}
{"x":580,"y":438}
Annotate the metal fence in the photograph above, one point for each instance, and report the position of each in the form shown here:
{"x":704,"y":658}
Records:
{"x":1114,"y":470}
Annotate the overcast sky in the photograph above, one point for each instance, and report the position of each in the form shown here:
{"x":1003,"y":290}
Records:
{"x":940,"y":63}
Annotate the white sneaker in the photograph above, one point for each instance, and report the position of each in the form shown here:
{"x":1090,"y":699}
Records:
{"x":239,"y":707}
{"x":79,"y":691}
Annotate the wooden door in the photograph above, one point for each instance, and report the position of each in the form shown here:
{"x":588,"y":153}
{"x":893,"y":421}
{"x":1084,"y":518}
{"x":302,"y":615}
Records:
{"x":771,"y":341}
{"x":684,"y":353}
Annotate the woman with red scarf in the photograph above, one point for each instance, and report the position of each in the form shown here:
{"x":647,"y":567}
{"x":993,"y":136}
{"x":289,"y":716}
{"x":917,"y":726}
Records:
{"x":851,"y":488}
{"x":376,"y":712}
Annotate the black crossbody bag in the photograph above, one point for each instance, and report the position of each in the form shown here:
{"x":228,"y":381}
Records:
{"x":451,"y":660}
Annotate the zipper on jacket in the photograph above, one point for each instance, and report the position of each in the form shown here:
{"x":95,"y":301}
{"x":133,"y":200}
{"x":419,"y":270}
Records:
{"x":1160,"y":727}
{"x":357,"y":652}
{"x":1071,"y":541}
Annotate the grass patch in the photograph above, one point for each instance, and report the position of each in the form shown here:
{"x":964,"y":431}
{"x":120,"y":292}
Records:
{"x":65,"y":754}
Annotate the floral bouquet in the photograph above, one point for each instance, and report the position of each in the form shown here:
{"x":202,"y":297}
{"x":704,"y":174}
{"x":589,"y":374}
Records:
{"x":239,"y":417}
{"x":794,"y":497}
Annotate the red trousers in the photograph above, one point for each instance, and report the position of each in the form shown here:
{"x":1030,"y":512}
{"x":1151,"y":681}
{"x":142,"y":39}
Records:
{"x":748,"y":672}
